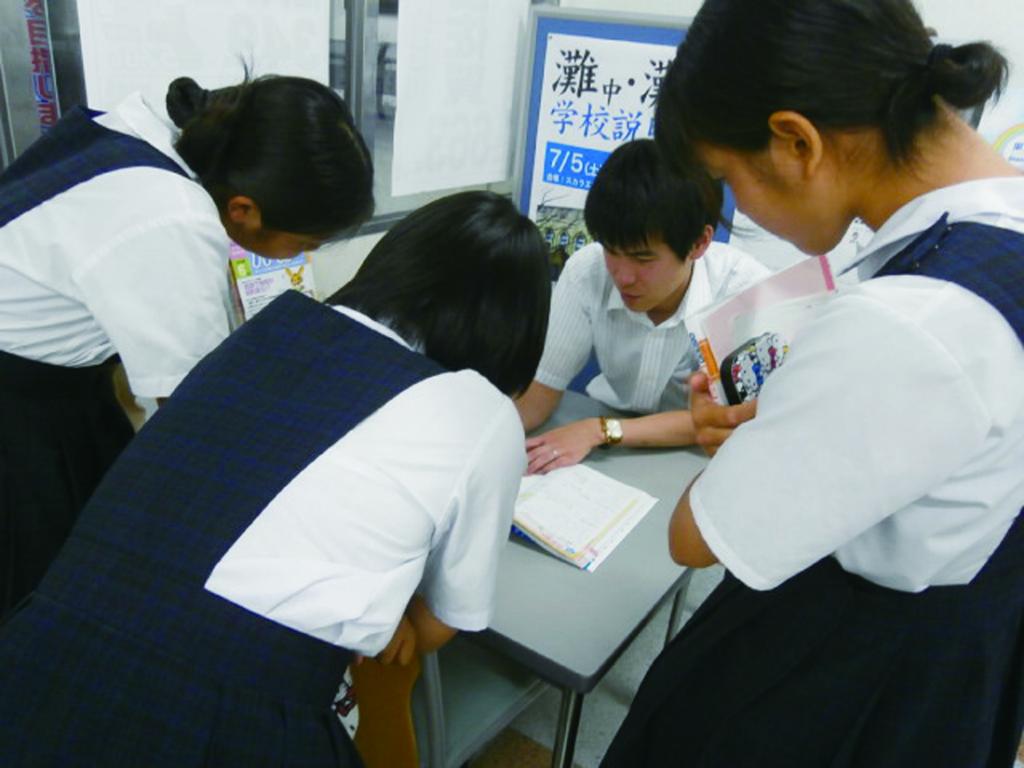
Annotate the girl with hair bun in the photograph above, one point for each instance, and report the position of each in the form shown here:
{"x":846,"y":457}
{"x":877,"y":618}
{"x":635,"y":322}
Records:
{"x":867,"y":507}
{"x":114,"y":235}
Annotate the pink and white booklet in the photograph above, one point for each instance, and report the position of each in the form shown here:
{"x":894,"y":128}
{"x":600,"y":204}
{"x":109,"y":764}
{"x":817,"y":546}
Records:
{"x":742,"y":338}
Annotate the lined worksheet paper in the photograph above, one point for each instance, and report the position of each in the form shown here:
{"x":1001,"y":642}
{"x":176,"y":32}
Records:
{"x":578,"y":513}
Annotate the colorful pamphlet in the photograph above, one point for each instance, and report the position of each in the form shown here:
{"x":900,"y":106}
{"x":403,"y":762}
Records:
{"x":258,"y":280}
{"x":744,"y":337}
{"x":578,"y":514}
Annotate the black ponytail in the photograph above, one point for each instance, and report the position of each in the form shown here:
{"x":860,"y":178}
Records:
{"x":288,"y":143}
{"x":185,"y":99}
{"x":966,"y":76}
{"x":840,"y":63}
{"x":208,"y":120}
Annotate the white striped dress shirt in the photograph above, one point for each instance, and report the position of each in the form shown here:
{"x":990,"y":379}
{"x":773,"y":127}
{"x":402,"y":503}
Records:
{"x":644,"y":367}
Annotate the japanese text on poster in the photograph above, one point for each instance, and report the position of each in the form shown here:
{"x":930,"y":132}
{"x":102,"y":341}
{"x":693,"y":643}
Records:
{"x":595,"y":86}
{"x":43,"y":87}
{"x":597,"y":93}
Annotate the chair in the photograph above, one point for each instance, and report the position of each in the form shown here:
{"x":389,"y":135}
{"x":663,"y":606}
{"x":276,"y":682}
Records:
{"x":587,"y":373}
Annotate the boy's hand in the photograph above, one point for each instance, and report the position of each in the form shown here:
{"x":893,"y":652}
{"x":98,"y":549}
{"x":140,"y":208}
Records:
{"x":713,"y":422}
{"x":402,"y":647}
{"x":563,"y":446}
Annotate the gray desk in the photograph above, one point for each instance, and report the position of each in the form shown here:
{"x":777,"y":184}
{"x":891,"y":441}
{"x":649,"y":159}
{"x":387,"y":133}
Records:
{"x":569,"y":626}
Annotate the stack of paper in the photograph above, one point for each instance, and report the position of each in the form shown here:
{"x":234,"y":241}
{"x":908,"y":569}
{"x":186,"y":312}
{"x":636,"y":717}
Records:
{"x":578,"y":514}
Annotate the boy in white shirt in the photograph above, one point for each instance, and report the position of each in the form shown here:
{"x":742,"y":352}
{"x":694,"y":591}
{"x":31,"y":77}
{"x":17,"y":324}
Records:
{"x":625,"y":296}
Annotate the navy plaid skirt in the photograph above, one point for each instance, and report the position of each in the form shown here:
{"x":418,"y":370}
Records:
{"x":60,"y":430}
{"x":829,"y":670}
{"x":76,"y":690}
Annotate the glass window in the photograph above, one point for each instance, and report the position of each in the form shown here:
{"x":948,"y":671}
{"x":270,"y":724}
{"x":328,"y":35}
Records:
{"x":374,"y":23}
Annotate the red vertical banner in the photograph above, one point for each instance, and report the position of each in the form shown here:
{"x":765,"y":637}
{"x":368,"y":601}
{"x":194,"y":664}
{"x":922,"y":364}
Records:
{"x":43,"y":86}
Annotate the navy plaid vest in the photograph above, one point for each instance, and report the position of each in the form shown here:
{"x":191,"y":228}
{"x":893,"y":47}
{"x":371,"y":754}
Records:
{"x":987,"y":261}
{"x":75,"y":150}
{"x":250,"y":416}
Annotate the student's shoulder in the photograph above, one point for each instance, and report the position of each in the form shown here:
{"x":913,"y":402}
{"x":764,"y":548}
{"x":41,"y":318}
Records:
{"x":730,"y":269}
{"x":727,"y":256}
{"x":163,"y":183}
{"x":584,"y":280}
{"x":467,"y":404}
{"x":585,"y":265}
{"x":941,"y":322}
{"x":141,"y":195}
{"x":470,"y":421}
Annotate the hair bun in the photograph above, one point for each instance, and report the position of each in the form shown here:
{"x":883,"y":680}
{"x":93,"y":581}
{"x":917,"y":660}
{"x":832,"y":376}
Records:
{"x":185,"y":100}
{"x":938,"y":54}
{"x":966,"y":75}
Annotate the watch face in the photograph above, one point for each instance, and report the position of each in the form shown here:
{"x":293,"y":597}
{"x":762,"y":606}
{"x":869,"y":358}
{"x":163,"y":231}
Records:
{"x":614,"y":429}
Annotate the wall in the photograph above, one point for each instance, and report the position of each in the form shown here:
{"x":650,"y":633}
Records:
{"x":335,"y":264}
{"x":663,"y":7}
{"x":999,"y":21}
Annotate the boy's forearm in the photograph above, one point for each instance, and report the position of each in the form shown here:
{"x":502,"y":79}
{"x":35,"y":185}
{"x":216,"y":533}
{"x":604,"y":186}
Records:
{"x":659,"y":430}
{"x":537,"y":404}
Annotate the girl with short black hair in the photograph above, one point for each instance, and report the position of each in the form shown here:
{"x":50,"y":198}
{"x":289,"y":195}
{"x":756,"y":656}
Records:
{"x":450,"y":277}
{"x":330,"y":481}
{"x":868,"y":516}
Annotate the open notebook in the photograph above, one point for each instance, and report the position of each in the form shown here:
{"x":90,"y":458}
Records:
{"x":578,"y":514}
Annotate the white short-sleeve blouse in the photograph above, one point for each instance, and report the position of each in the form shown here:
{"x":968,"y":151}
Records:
{"x":417,"y":498}
{"x":893,"y":438}
{"x":130,"y":262}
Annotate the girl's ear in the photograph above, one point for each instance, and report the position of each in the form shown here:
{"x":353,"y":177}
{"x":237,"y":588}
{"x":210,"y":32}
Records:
{"x":796,"y":147}
{"x":244,"y":212}
{"x":243,"y":221}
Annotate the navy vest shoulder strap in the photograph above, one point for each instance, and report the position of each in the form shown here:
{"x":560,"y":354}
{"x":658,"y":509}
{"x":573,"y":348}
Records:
{"x":986,"y":260}
{"x":73,"y":151}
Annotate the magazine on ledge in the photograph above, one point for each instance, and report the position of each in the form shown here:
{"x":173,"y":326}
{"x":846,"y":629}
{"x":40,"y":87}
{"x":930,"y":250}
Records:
{"x":740,"y":340}
{"x":578,"y":514}
{"x":257,"y":280}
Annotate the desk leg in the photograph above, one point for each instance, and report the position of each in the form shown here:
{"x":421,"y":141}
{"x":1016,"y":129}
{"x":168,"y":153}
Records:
{"x":677,"y":607}
{"x":568,"y":725}
{"x":431,"y":678}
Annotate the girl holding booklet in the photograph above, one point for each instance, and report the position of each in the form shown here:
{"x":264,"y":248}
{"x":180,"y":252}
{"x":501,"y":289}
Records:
{"x":868,"y":516}
{"x":330,"y":480}
{"x":114,"y":235}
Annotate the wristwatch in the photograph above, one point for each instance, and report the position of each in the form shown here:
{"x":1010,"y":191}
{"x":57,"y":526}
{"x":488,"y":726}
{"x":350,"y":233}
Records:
{"x":612,"y":430}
